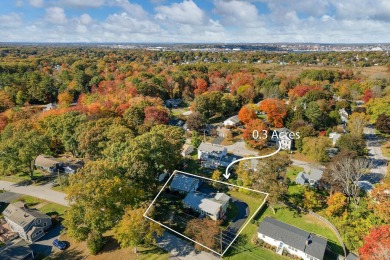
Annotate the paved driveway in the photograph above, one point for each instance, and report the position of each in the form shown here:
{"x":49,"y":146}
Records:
{"x":180,"y":248}
{"x":44,"y":246}
{"x":239,"y":148}
{"x":43,"y":192}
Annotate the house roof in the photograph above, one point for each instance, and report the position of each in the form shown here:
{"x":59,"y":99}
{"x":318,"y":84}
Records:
{"x":22,"y":216}
{"x":222,"y":197}
{"x":233,"y":119}
{"x":314,"y":175}
{"x":184,"y":183}
{"x":17,"y":251}
{"x":46,"y":161}
{"x":208,"y":147}
{"x":294,"y":237}
{"x":203,"y":202}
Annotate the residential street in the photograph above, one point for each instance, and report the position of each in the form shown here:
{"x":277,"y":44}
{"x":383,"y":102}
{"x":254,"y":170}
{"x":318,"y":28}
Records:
{"x":375,"y":154}
{"x":43,"y":192}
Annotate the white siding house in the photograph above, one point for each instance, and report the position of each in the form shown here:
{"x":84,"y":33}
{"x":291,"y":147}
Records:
{"x":295,"y":241}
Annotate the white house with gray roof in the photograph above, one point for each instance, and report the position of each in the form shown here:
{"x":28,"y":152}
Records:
{"x":30,"y":224}
{"x":214,"y":206}
{"x":312,"y":178}
{"x":295,"y":241}
{"x":231,"y":121}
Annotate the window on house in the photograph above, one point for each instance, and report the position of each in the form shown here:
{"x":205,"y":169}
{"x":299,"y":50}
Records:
{"x":38,"y":221}
{"x":44,"y":224}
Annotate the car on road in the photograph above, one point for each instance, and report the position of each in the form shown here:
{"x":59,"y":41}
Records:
{"x":60,"y":244}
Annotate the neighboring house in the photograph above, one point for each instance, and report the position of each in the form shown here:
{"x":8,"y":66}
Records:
{"x":207,"y":149}
{"x":231,"y":121}
{"x":30,"y":224}
{"x":223,"y":132}
{"x":312,"y":179}
{"x":184,"y":184}
{"x":208,"y":205}
{"x":53,"y":165}
{"x":295,"y":241}
{"x":49,"y":106}
{"x":335,"y":137}
{"x":282,"y":135}
{"x":344,"y":115}
{"x":18,"y":251}
{"x":187,"y":150}
{"x":47,"y":163}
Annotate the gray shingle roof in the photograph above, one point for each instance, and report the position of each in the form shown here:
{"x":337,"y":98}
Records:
{"x":234,"y":119}
{"x":184,"y":183}
{"x":294,"y":237}
{"x":21,"y":216}
{"x":207,"y":203}
{"x":207,"y":147}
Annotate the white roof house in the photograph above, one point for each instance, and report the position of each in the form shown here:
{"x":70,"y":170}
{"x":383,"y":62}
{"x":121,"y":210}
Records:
{"x":212,"y":206}
{"x":231,"y":121}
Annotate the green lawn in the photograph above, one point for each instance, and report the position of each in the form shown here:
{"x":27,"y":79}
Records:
{"x":292,"y":172}
{"x":29,"y":200}
{"x":53,"y":208}
{"x":253,"y":199}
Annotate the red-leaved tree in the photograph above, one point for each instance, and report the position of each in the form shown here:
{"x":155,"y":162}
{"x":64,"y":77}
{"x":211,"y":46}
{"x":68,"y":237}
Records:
{"x":258,"y":139}
{"x":377,"y":244}
{"x":275,"y":109}
{"x":367,"y":96}
{"x":156,"y":115}
{"x":246,"y":114}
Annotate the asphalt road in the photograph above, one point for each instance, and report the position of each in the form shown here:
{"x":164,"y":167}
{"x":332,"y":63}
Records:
{"x":379,"y":161}
{"x":43,"y":191}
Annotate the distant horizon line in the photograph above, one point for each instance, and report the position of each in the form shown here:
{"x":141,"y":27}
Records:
{"x":197,"y":43}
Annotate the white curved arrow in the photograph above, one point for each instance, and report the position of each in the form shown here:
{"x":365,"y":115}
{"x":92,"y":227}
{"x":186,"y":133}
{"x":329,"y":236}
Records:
{"x":227,"y":174}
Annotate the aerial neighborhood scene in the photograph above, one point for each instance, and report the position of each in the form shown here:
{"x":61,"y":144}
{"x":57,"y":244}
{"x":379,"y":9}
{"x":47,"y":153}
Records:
{"x":194,"y":130}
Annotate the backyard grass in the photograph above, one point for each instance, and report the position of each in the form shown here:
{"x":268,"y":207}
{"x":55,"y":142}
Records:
{"x":253,"y":199}
{"x":232,"y":211}
{"x":111,"y":250}
{"x":292,"y":172}
{"x":52,"y":208}
{"x":29,"y":200}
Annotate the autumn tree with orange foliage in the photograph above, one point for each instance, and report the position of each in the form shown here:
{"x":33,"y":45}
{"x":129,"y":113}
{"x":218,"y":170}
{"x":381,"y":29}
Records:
{"x":275,"y":109}
{"x":260,"y":126}
{"x":381,"y":199}
{"x":247,"y":114}
{"x":377,"y":244}
{"x":65,"y":99}
{"x":201,"y":86}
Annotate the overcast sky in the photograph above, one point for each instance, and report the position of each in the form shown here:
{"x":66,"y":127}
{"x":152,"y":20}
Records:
{"x":221,"y":21}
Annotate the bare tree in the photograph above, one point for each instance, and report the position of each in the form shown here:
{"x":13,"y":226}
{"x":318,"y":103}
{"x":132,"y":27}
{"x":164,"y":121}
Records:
{"x":348,"y":172}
